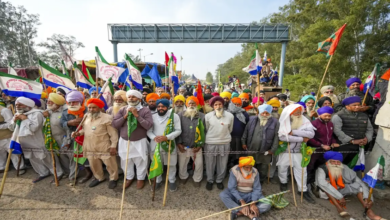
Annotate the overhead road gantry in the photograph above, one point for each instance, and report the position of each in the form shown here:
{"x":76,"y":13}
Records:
{"x":201,"y":33}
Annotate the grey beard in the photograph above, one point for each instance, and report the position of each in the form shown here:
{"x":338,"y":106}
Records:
{"x":190,"y":112}
{"x":133,"y":103}
{"x":335,"y":170}
{"x":353,"y":92}
{"x":309,"y":109}
{"x":178,"y":109}
{"x":296,"y":122}
{"x":95,"y":115}
{"x":264,"y":119}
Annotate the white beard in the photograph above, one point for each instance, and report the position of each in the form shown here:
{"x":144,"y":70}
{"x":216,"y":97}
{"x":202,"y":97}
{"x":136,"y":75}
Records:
{"x":74,"y":108}
{"x":190,"y":112}
{"x":335,"y":170}
{"x":263,"y":119}
{"x":296,"y":122}
{"x":95,"y":115}
{"x":179,"y":109}
{"x":219,"y":112}
{"x":117,"y":106}
{"x":309,"y":109}
{"x":133,"y":104}
{"x":52,"y":107}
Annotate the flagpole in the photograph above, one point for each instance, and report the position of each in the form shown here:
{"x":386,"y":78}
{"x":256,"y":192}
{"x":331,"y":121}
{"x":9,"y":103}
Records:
{"x":365,"y":96}
{"x":77,"y":163}
{"x":368,"y":200}
{"x":5,"y":171}
{"x":154,"y":188}
{"x":124,"y":178}
{"x":322,"y":81}
{"x":303,"y":172}
{"x":97,"y":73}
{"x":166,"y":180}
{"x":43,"y":82}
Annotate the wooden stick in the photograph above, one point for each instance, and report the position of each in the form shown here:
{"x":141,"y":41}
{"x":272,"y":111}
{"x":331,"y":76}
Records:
{"x":124,"y":178}
{"x":147,"y":174}
{"x":292,"y":174}
{"x":322,"y":81}
{"x":166,"y":181}
{"x":19,"y":162}
{"x":303,"y":172}
{"x":77,"y":163}
{"x":368,"y":200}
{"x":269,"y":171}
{"x":365,"y":96}
{"x":154,"y":188}
{"x":54,"y":164}
{"x":5,"y":171}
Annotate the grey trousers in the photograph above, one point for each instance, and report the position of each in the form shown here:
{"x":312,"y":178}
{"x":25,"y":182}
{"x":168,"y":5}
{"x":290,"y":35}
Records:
{"x":45,"y":166}
{"x":231,"y":202}
{"x":67,"y":162}
{"x":216,"y":156}
{"x":262,"y":166}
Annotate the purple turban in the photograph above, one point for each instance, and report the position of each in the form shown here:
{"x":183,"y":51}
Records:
{"x":74,"y":96}
{"x":216,"y":98}
{"x":303,"y":104}
{"x":325,"y":109}
{"x":332,"y":155}
{"x":352,"y":80}
{"x":350,"y":100}
{"x":165,"y":102}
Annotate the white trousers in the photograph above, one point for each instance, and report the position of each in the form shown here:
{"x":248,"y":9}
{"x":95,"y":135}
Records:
{"x":284,"y":164}
{"x":45,"y":166}
{"x":4,"y":147}
{"x":184,"y":158}
{"x":139,"y":163}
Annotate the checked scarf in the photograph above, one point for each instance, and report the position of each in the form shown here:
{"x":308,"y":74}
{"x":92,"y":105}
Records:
{"x":48,"y":136}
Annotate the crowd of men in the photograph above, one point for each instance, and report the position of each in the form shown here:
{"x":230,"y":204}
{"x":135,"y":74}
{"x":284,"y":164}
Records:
{"x":243,"y":132}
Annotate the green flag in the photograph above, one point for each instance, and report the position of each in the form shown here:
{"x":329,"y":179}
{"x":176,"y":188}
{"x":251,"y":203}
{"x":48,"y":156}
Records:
{"x":169,"y":129}
{"x":131,"y":124}
{"x":64,"y":70}
{"x":281,"y":148}
{"x":101,"y":58}
{"x":306,"y":152}
{"x":111,"y":87}
{"x":48,"y":136}
{"x":199,"y":134}
{"x":78,"y":154}
{"x":156,"y":167}
{"x":275,"y":200}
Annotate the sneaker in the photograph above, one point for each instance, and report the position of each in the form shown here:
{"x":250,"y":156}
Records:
{"x":158,"y":186}
{"x":196,"y":184}
{"x":307,"y":197}
{"x":209,"y":186}
{"x":172,"y":187}
{"x":220,"y":186}
{"x":95,"y":182}
{"x":283,"y":187}
{"x":112,"y":184}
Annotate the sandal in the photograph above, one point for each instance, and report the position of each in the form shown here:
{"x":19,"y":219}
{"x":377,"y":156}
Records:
{"x":39,"y":179}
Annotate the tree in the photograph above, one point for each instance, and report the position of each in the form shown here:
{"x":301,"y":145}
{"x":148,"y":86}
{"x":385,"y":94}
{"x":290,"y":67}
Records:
{"x":17,"y":32}
{"x":53,"y":54}
{"x":209,"y":78}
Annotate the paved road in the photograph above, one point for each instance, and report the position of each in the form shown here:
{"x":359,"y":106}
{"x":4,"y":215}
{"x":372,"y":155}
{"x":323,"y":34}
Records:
{"x":24,"y":200}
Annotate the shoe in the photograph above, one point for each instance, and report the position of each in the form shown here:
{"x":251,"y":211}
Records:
{"x":112,"y":184}
{"x":307,"y":197}
{"x":39,"y":179}
{"x":196,"y":184}
{"x":315,"y":190}
{"x":158,"y":186}
{"x":172,"y":187}
{"x":128,"y":183}
{"x":95,"y":182}
{"x":88,"y":176}
{"x":220,"y":186}
{"x":209,"y":186}
{"x":183,"y":181}
{"x":140,"y":184}
{"x":21,"y":172}
{"x":283,"y":187}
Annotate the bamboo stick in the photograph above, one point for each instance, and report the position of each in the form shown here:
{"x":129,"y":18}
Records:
{"x":166,"y":181}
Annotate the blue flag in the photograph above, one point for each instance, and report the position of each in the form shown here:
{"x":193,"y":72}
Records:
{"x":145,"y":71}
{"x":153,"y":73}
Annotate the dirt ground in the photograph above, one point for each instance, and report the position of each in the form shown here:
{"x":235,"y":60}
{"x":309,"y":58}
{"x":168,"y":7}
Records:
{"x":22,"y":199}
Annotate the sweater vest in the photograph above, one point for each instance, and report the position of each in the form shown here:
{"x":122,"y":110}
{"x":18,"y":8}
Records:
{"x":244,"y":185}
{"x":4,"y":133}
{"x":354,"y":124}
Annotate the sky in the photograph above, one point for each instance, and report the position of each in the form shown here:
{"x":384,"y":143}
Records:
{"x":87,"y":21}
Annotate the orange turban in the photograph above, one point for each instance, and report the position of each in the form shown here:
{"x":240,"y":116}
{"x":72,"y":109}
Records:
{"x":193,"y":98}
{"x":246,"y":161}
{"x":97,"y":102}
{"x":152,"y":96}
{"x":244,"y":95}
{"x":236,"y":100}
{"x":165,"y":96}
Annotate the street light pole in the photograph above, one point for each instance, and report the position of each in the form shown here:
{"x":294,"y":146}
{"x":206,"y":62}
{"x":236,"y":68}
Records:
{"x":140,"y":57}
{"x":146,"y":56}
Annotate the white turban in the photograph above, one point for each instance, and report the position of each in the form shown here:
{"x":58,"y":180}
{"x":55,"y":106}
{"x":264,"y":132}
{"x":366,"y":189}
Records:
{"x":134,"y":93}
{"x":26,"y":101}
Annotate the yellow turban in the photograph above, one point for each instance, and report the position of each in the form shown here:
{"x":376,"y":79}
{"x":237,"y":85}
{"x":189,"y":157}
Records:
{"x":44,"y":95}
{"x":226,"y":95}
{"x":57,"y":99}
{"x":246,"y":161}
{"x":244,"y":95}
{"x":122,"y":94}
{"x":179,"y":98}
{"x":274,"y":103}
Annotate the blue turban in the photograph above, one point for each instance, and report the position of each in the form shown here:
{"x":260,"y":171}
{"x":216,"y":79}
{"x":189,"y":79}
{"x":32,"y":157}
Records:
{"x":165,"y":102}
{"x":350,"y":100}
{"x":265,"y":107}
{"x":306,"y":98}
{"x":234,"y":94}
{"x":302,"y":104}
{"x":94,"y":89}
{"x":333,"y":155}
{"x":325,"y":109}
{"x":352,"y":80}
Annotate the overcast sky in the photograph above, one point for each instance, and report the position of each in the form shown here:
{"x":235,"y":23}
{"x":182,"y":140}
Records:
{"x":87,"y":20}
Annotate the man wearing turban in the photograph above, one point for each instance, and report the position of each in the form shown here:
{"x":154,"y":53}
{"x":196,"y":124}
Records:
{"x":207,"y":98}
{"x":151,"y":99}
{"x":261,"y":134}
{"x":309,"y":101}
{"x":219,"y":125}
{"x":245,"y":101}
{"x":55,"y":110}
{"x":145,"y":92}
{"x":189,"y":120}
{"x":31,"y":138}
{"x":70,"y":120}
{"x":93,"y":92}
{"x":353,"y":85}
{"x":337,"y":180}
{"x":100,"y":142}
{"x":138,"y":138}
{"x":178,"y":103}
{"x":207,"y":90}
{"x":164,"y":95}
{"x":352,"y":127}
{"x":323,"y":141}
{"x":156,"y":135}
{"x":294,"y":129}
{"x":328,"y":91}
{"x":120,"y":100}
{"x":226,"y":97}
{"x":275,"y":107}
{"x":244,"y":187}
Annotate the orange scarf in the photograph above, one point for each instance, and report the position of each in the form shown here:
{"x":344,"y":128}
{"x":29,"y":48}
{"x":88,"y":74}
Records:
{"x":247,"y":177}
{"x":249,"y":107}
{"x":79,"y":113}
{"x":335,"y":184}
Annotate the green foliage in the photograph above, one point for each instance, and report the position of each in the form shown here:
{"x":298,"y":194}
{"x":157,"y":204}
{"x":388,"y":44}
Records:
{"x":209,"y":78}
{"x":366,"y":41}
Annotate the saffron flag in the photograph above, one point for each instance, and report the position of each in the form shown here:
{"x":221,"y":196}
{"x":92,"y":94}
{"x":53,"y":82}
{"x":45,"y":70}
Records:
{"x":14,"y":144}
{"x":17,"y":86}
{"x":156,"y":167}
{"x":49,"y":140}
{"x":105,"y":71}
{"x":306,"y":152}
{"x":358,"y":161}
{"x":255,"y":65}
{"x":51,"y":77}
{"x":329,"y":45}
{"x":11,"y":70}
{"x":376,"y":173}
{"x":199,"y":134}
{"x":134,"y":73}
{"x":81,"y":80}
{"x":174,"y":62}
{"x":371,"y":80}
{"x":169,"y":129}
{"x":199,"y":94}
{"x":100,"y":56}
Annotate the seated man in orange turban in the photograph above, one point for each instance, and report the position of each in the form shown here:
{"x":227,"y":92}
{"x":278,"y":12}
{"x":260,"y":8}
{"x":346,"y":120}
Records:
{"x":244,"y":187}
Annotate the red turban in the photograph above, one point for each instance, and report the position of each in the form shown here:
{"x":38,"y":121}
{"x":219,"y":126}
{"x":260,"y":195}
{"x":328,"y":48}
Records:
{"x":193,"y":98}
{"x":236,"y":100}
{"x":97,"y":102}
{"x":152,"y":96}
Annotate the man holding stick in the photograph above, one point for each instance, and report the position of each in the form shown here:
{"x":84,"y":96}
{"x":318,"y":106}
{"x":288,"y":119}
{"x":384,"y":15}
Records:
{"x":138,"y":141}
